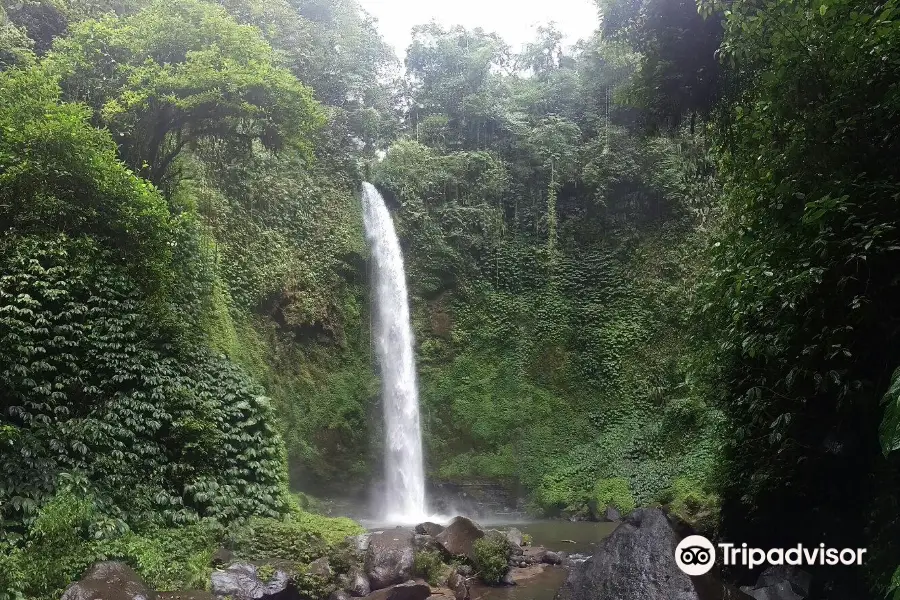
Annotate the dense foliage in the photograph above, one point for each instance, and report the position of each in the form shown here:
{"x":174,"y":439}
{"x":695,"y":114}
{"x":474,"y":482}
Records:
{"x":653,"y":267}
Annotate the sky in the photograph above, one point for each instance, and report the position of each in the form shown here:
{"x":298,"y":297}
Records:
{"x":513,"y":20}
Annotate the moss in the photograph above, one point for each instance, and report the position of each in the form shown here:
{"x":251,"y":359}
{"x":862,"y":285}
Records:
{"x":692,"y":502}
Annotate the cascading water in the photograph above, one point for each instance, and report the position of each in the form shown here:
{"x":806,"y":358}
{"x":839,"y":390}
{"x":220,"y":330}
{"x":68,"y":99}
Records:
{"x":405,"y":476}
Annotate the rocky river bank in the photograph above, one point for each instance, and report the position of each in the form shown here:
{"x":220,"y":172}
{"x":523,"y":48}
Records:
{"x":464,"y":561}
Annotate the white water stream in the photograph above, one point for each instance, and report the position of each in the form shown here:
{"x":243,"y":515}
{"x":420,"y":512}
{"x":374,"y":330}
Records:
{"x":404,"y":501}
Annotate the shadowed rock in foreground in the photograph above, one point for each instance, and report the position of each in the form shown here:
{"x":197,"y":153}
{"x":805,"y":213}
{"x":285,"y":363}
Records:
{"x":637,"y":562}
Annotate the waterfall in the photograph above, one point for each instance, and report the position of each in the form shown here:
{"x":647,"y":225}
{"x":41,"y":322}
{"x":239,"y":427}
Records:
{"x":405,"y":477}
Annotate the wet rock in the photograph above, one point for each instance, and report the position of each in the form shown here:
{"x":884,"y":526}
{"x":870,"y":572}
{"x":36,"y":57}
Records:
{"x":320,"y":567}
{"x":411,"y":590}
{"x":339,"y":595}
{"x":574,"y":559}
{"x":426,"y":543}
{"x":221,"y":557}
{"x":360,"y":543}
{"x":241,"y":581}
{"x":508,"y":579}
{"x":777,"y":591}
{"x":110,"y":580}
{"x":389,"y":558}
{"x":459,"y":585}
{"x":637,"y":562}
{"x":429,"y":528}
{"x":459,"y":536}
{"x":185,"y":595}
{"x":799,"y":580}
{"x":514,"y":536}
{"x":611,"y":514}
{"x":552,"y":558}
{"x":534,"y":554}
{"x":356,"y":583}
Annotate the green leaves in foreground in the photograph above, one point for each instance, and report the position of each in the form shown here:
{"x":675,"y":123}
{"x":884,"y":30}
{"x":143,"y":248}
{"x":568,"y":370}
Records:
{"x":889,"y":431}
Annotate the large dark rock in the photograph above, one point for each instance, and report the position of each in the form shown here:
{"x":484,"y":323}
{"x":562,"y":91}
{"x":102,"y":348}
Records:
{"x":389,"y":558}
{"x":799,"y":580}
{"x":637,"y":562}
{"x":459,"y":536}
{"x":356,"y":583}
{"x":777,"y":591}
{"x":429,"y":528}
{"x":359,"y":543}
{"x":109,"y":581}
{"x":320,"y":567}
{"x":241,"y":581}
{"x":426,"y":543}
{"x":552,"y":558}
{"x":612,"y":514}
{"x":411,"y":590}
{"x":459,"y":585}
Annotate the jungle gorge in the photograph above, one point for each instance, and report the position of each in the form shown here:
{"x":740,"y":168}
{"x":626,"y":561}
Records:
{"x":659,"y":267}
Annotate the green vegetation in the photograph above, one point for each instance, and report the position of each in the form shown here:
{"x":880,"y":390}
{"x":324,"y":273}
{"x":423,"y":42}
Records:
{"x":691,"y":502}
{"x":614,"y":492}
{"x":658,"y":266}
{"x":491,"y":559}
{"x":430,"y":566}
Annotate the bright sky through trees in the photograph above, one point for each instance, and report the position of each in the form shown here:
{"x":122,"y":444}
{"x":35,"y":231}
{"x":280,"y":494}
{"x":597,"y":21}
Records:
{"x":514,"y":20}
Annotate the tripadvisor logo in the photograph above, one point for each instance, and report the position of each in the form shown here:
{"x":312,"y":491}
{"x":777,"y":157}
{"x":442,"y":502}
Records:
{"x":696,"y":555}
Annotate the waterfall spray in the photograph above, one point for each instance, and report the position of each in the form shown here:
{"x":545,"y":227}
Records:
{"x":405,"y":476}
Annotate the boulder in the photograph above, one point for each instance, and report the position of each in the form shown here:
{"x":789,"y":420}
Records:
{"x":459,"y":585}
{"x":339,"y":595}
{"x":240,"y":581}
{"x":459,"y":536}
{"x":611,"y":514}
{"x":514,"y":536}
{"x":637,"y":562}
{"x":110,"y":580}
{"x":320,"y":567}
{"x":508,"y":579}
{"x":424,"y":543}
{"x":411,"y":590}
{"x":356,"y":583}
{"x":389,"y":558}
{"x":552,"y":558}
{"x":429,"y":528}
{"x":534,"y":554}
{"x":360,"y":543}
{"x":799,"y":580}
{"x":777,"y":591}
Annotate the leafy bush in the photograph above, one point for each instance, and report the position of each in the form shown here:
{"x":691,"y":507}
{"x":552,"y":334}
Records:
{"x":491,"y":559}
{"x":615,"y":492}
{"x":168,"y":559}
{"x":429,"y":566}
{"x":58,"y":547}
{"x":300,"y":538}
